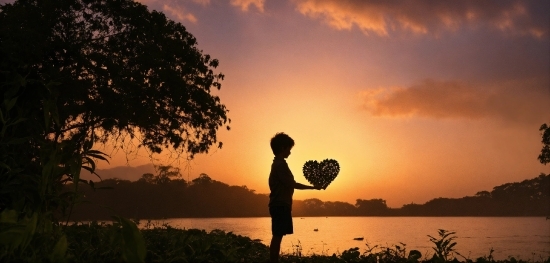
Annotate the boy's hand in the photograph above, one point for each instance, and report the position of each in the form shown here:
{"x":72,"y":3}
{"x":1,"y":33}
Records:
{"x":319,"y":188}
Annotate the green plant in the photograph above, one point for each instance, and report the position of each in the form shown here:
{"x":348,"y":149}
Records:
{"x":118,"y":241}
{"x":488,"y":258}
{"x":444,"y":245}
{"x":167,"y":244}
{"x":30,"y":239}
{"x":351,"y":255}
{"x":34,"y":166}
{"x":297,"y":249}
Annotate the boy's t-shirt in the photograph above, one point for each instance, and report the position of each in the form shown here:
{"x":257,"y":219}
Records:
{"x":281,"y":184}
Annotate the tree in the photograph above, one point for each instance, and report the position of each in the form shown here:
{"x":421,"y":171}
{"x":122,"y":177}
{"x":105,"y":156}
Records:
{"x":372,"y":207}
{"x":544,"y":156}
{"x":203,"y":179}
{"x":77,"y":72}
{"x":148,"y":178}
{"x":164,"y":175}
{"x":483,"y":194}
{"x":118,"y":68}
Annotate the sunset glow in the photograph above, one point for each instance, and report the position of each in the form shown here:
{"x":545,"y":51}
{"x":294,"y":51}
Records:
{"x":415,"y":99}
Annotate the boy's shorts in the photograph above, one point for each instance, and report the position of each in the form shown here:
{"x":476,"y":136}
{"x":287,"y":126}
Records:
{"x":281,"y":220}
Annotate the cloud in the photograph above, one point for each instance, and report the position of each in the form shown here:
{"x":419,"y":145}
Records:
{"x":202,"y":2}
{"x":430,"y":17}
{"x":175,"y":10}
{"x":178,"y":9}
{"x":179,"y":13}
{"x":512,"y":101}
{"x":244,"y":4}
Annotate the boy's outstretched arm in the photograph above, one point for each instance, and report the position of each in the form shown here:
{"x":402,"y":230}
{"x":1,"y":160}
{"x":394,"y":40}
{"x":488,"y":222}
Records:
{"x":305,"y":187}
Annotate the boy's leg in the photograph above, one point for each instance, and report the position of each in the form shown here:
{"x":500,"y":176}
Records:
{"x":275,"y":248}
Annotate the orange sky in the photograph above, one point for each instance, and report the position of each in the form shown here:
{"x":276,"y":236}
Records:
{"x":415,"y":99}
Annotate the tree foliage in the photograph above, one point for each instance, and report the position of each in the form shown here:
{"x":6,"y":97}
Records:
{"x":203,"y":197}
{"x":544,"y":156}
{"x":203,"y":179}
{"x":118,"y":69}
{"x":372,"y":207}
{"x":165,"y":173}
{"x":206,"y":197}
{"x":77,"y":72}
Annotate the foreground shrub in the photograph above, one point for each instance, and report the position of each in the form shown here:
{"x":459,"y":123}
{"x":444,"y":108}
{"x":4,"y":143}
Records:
{"x":169,"y":244}
{"x":96,"y":242}
{"x":121,"y":241}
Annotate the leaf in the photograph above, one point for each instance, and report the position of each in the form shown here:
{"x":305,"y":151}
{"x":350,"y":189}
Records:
{"x":12,"y":236}
{"x":8,"y":216}
{"x":450,"y":248}
{"x":133,"y":249}
{"x":59,"y":250}
{"x":10,"y":103}
{"x":91,"y":162}
{"x":75,"y":167}
{"x":88,"y":144}
{"x":17,"y":234}
{"x":97,"y":154}
{"x":29,"y":230}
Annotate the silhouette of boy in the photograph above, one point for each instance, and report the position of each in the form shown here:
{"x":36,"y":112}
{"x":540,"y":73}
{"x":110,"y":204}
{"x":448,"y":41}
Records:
{"x":281,"y":185}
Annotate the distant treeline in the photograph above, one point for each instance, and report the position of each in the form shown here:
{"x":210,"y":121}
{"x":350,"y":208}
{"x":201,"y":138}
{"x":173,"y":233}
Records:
{"x":159,"y":196}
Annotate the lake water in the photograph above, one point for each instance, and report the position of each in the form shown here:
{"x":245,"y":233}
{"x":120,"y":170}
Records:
{"x":520,"y":237}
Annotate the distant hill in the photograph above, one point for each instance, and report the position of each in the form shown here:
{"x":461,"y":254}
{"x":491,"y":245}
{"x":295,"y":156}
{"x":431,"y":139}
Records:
{"x":159,"y":197}
{"x":120,"y":172}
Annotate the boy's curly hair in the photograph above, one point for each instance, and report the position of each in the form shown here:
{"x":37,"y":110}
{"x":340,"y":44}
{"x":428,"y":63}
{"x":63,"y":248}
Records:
{"x":281,"y":141}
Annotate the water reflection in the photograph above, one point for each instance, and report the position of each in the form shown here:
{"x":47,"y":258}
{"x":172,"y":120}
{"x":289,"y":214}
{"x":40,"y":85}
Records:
{"x":508,"y":236}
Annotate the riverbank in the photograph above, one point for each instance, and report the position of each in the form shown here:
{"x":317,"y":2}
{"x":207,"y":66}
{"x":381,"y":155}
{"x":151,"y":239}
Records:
{"x":100,"y":242}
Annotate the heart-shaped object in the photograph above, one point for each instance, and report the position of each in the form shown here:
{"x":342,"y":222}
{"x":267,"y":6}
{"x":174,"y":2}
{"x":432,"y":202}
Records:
{"x":321,"y":174}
